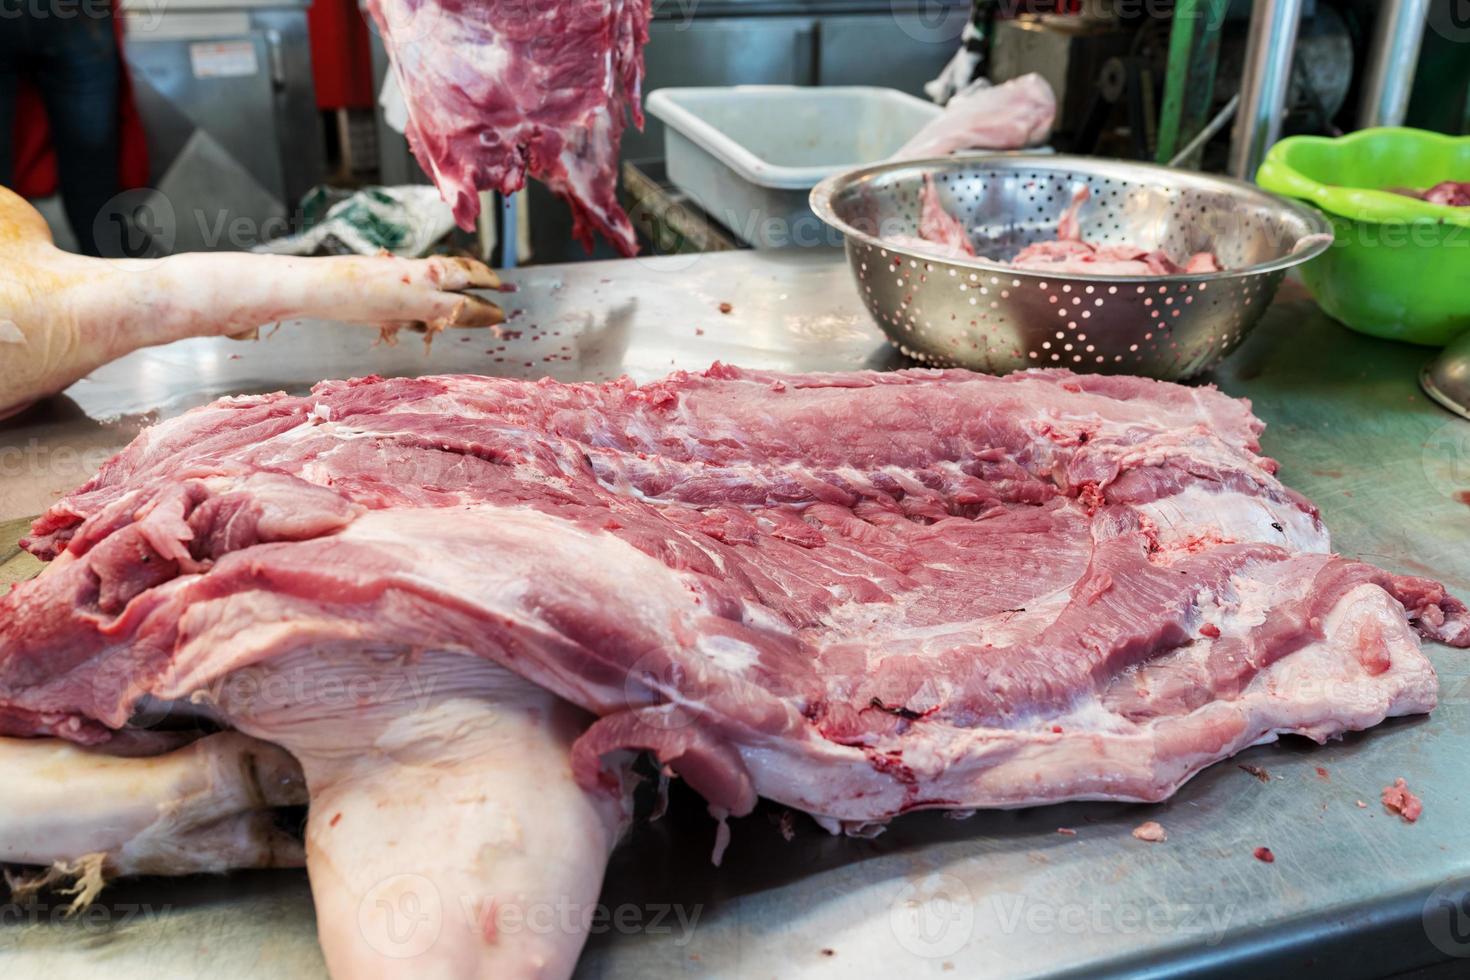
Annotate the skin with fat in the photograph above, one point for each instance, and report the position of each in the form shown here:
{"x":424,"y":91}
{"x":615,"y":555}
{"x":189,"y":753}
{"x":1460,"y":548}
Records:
{"x":62,"y":315}
{"x":209,"y":806}
{"x":447,"y":836}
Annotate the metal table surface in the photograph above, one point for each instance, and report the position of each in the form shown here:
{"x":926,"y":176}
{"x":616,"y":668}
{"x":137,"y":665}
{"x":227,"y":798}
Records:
{"x":1353,"y":891}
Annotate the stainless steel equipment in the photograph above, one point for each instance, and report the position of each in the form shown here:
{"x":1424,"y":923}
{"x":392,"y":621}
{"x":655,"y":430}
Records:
{"x":1070,"y":52}
{"x":988,"y":316}
{"x":225,"y":91}
{"x":1392,"y":58}
{"x":1265,"y":80}
{"x":1353,"y":893}
{"x":1446,"y":379}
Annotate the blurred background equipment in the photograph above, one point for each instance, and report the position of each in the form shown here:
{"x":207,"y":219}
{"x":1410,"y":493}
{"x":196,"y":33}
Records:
{"x":248,"y":104}
{"x":226,"y":96}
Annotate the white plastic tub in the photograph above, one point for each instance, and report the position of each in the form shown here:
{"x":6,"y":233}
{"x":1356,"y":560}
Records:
{"x":750,"y":154}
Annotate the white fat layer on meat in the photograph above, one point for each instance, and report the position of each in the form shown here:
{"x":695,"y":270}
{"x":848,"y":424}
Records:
{"x":1236,"y":517}
{"x":581,"y":172}
{"x":755,"y":615}
{"x":1330,"y":690}
{"x":1205,"y":448}
{"x":1250,"y":596}
{"x":1321,"y":691}
{"x":1002,"y":629}
{"x":727,"y":653}
{"x":1089,"y":715}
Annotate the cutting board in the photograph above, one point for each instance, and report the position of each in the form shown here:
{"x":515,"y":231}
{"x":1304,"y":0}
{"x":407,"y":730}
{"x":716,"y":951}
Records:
{"x":15,"y":565}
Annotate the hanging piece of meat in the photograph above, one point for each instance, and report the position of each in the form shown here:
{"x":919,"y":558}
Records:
{"x":496,"y":89}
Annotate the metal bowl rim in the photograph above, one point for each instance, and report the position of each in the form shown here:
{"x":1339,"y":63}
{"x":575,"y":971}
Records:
{"x":822,"y":194}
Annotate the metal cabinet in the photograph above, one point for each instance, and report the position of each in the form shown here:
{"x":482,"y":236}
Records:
{"x":226,"y":98}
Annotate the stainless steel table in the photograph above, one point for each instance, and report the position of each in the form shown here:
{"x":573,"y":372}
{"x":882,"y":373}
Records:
{"x":1353,"y":891}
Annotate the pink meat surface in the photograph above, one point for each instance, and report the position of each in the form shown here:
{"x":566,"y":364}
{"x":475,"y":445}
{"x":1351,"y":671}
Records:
{"x":1067,"y":254}
{"x":937,"y":227}
{"x":1453,"y":193}
{"x":1010,"y":116}
{"x":1398,"y":799}
{"x":496,"y":89}
{"x":857,"y":594}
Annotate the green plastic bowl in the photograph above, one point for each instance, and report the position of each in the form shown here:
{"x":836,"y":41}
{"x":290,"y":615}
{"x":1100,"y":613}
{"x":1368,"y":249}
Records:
{"x":1398,"y":267}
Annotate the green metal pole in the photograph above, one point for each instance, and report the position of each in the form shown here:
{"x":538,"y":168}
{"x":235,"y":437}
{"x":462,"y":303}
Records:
{"x":1189,"y":85}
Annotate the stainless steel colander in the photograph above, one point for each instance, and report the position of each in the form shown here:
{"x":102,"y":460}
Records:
{"x":987,"y":316}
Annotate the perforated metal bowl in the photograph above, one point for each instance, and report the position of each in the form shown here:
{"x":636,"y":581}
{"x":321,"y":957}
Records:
{"x":987,"y":316}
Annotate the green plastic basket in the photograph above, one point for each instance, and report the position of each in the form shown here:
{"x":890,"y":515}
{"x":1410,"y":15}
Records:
{"x":1398,"y":267}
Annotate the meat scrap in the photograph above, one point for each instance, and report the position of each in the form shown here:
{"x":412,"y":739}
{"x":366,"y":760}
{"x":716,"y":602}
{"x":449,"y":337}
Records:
{"x":942,"y":234}
{"x":1452,"y":193}
{"x":1257,"y":771}
{"x":1070,"y":253}
{"x":1264,"y":854}
{"x":496,"y":89}
{"x":1151,"y":831}
{"x":1009,"y":116}
{"x":1398,"y":799}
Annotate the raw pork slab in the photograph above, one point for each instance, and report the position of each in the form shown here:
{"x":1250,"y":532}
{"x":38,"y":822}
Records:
{"x":857,"y":594}
{"x":499,"y":88}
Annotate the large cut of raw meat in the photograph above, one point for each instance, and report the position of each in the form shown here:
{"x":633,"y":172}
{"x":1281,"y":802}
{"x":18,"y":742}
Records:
{"x":858,"y":594}
{"x":496,"y":89}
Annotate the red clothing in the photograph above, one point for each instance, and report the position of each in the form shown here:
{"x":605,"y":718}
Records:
{"x":341,"y":59}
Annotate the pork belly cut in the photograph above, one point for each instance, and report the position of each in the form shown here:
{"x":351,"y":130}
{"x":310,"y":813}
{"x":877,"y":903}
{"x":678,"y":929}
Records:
{"x":461,"y":603}
{"x":857,"y":594}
